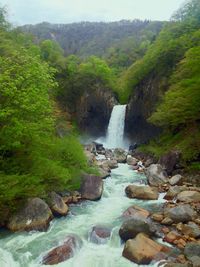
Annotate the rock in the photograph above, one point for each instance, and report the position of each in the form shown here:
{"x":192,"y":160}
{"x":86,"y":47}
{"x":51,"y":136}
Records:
{"x":192,"y":250}
{"x":120,"y":155}
{"x":142,"y":250}
{"x":57,"y":205}
{"x":135,"y":211}
{"x":131,"y":161}
{"x":195,"y":261}
{"x":92,"y":187}
{"x":156,"y":176}
{"x":176,"y":179}
{"x":171,"y":237}
{"x":93,"y":110}
{"x":103,"y":174}
{"x":172,"y":192}
{"x":169,"y":161}
{"x":71,"y":197}
{"x":189,"y":196}
{"x":165,"y":230}
{"x":180,"y":213}
{"x":90,"y":157}
{"x":134,"y":226}
{"x":148,"y":162}
{"x":62,"y":252}
{"x":142,"y":192}
{"x":35,"y":215}
{"x":112,"y":164}
{"x":98,"y":147}
{"x":191,"y":229}
{"x":135,"y":168}
{"x":109,"y":154}
{"x":100,"y":235}
{"x":157,"y":217}
{"x":167,"y":221}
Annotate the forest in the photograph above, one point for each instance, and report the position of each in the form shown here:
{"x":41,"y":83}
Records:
{"x":45,"y":69}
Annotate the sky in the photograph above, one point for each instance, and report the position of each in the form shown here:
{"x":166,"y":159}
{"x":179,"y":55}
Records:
{"x":66,"y":11}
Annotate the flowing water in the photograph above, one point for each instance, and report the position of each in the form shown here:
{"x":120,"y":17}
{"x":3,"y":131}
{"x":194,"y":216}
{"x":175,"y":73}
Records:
{"x":27,"y":249}
{"x":115,"y":131}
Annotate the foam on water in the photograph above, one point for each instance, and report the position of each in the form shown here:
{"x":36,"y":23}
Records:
{"x":27,"y":249}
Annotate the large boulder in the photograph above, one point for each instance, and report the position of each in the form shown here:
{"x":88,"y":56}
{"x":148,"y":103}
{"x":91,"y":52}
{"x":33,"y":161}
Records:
{"x":169,"y":161}
{"x":135,"y":211}
{"x":62,"y":252}
{"x":189,"y":196}
{"x":142,"y":249}
{"x":120,"y":155}
{"x":156,"y":175}
{"x":35,"y":215}
{"x":134,"y":226}
{"x":142,"y":192}
{"x":180,"y":213}
{"x":92,"y":187}
{"x":57,"y":205}
{"x":100,"y":235}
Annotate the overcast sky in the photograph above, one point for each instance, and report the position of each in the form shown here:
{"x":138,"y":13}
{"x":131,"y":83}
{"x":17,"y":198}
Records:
{"x":65,"y":11}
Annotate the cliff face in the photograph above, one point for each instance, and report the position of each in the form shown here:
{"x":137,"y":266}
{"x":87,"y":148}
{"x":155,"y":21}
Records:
{"x":94,"y":110}
{"x":143,"y":102}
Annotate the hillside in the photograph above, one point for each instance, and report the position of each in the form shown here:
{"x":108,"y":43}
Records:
{"x":98,"y":38}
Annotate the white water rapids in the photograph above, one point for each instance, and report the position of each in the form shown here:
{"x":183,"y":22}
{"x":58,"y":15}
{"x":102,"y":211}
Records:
{"x":27,"y":249}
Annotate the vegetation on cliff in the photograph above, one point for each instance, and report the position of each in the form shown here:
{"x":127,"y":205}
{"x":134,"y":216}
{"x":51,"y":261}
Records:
{"x":174,"y":60}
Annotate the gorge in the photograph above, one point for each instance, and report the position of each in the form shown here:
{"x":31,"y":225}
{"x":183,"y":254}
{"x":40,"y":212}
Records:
{"x":100,"y":142}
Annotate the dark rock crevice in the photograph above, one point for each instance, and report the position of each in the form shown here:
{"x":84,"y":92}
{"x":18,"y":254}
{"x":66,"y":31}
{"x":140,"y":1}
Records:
{"x":94,"y":110}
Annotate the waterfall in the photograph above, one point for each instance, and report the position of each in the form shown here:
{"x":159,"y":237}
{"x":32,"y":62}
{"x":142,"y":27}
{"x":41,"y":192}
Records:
{"x":115,"y":132}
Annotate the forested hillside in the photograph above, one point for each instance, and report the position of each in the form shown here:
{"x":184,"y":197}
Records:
{"x":120,"y":43}
{"x":34,"y":159}
{"x":166,"y":84}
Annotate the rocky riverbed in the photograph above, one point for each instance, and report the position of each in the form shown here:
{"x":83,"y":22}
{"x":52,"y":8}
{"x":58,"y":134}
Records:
{"x":139,"y":205}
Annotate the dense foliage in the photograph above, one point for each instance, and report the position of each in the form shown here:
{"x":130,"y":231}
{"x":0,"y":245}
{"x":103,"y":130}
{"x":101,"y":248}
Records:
{"x":174,"y":60}
{"x":119,"y":43}
{"x":33,"y":159}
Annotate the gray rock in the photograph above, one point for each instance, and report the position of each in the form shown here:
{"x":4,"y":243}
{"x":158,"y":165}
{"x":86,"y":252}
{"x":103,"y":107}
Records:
{"x":181,"y":213}
{"x":35,"y":215}
{"x":92,"y":187}
{"x":112,"y":164}
{"x":156,"y":175}
{"x":176,"y":179}
{"x":189,"y":196}
{"x":120,"y":155}
{"x":134,"y":226}
{"x":131,"y":161}
{"x":192,"y":250}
